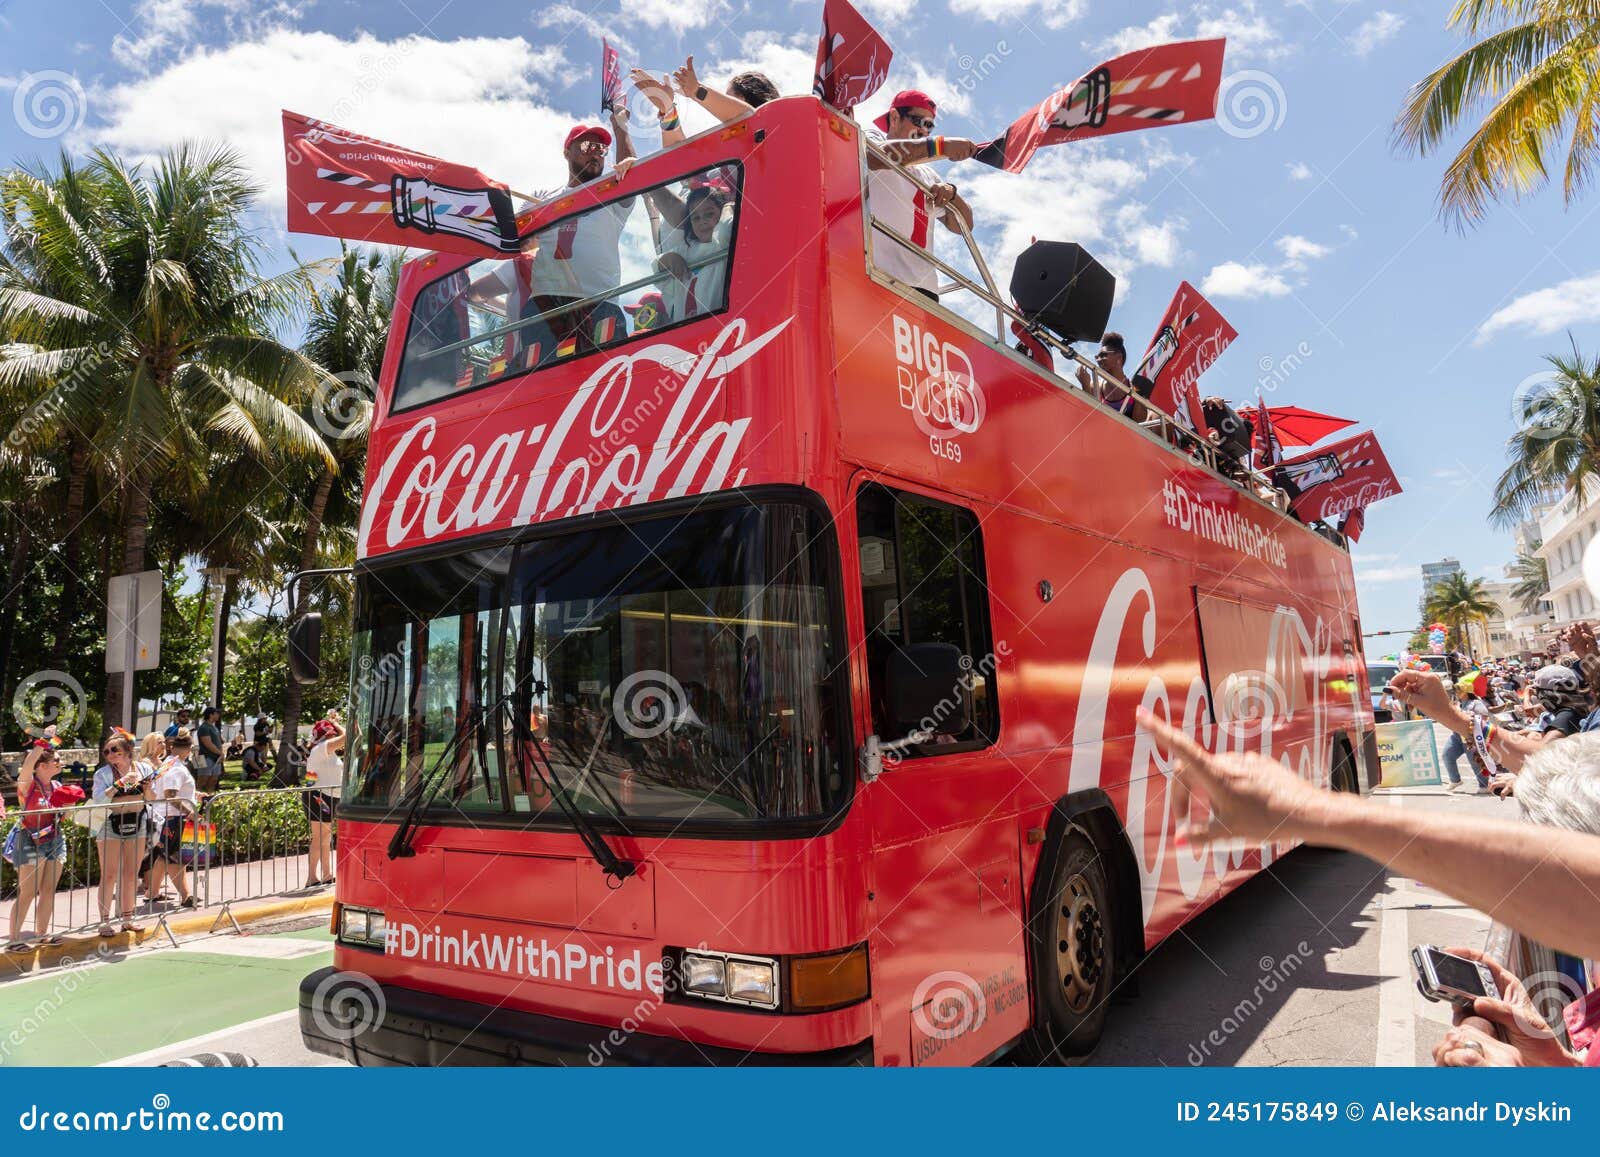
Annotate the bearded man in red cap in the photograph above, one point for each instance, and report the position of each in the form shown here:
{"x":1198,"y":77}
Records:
{"x":905,"y":133}
{"x":579,"y":258}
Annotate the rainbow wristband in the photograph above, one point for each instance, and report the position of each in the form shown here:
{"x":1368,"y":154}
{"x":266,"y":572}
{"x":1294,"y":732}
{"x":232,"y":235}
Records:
{"x":669,"y":121}
{"x":938,"y":146}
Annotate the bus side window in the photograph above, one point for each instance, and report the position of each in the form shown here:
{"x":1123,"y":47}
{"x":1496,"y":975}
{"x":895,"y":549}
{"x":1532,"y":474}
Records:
{"x":923,"y":581}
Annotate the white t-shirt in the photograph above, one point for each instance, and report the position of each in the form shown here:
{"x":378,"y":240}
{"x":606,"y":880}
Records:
{"x":173,"y":776}
{"x":905,"y":208}
{"x":580,"y":257}
{"x":325,"y":769}
{"x":703,"y":292}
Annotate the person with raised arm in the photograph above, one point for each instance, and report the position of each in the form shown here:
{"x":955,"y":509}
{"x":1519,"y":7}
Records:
{"x":1540,"y":881}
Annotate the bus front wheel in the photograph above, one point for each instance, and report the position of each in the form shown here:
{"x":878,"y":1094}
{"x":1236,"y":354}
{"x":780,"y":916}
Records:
{"x":1071,"y":937}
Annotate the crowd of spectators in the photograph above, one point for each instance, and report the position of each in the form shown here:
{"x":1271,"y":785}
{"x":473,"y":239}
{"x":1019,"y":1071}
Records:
{"x":140,"y":807}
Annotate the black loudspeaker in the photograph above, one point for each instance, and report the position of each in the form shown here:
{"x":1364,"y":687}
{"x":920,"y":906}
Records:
{"x":1059,"y":286}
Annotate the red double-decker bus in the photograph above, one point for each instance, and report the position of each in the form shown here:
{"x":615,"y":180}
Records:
{"x":748,"y":648}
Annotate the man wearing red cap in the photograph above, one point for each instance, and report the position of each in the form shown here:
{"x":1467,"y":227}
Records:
{"x":906,"y":135}
{"x":580,"y":257}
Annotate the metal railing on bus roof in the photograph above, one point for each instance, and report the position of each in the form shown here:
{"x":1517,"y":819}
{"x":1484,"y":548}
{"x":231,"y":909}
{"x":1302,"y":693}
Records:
{"x":1159,"y":425}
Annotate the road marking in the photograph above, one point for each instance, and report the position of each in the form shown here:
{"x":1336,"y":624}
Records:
{"x":259,"y":947}
{"x":194,"y":1044}
{"x":1397,"y":999}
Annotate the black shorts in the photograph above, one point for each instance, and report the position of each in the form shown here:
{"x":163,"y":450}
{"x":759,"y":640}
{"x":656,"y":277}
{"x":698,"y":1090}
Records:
{"x":170,"y":840}
{"x":319,"y":808}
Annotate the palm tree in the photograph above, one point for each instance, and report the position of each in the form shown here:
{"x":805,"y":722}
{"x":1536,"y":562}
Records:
{"x":1533,"y":582}
{"x":1456,"y":601}
{"x":147,"y":330}
{"x":1556,"y":446}
{"x":345,"y":335}
{"x":1534,"y":64}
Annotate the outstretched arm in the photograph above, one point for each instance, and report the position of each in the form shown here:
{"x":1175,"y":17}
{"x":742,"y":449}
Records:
{"x":1539,"y":880}
{"x":666,"y":108}
{"x":719,"y":104}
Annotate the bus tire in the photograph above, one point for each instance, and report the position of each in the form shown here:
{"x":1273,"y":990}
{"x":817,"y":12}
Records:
{"x":1071,"y":935}
{"x":1342,"y":775}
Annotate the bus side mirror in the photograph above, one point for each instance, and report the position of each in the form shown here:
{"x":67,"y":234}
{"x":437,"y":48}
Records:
{"x":925,"y":689}
{"x":305,"y":648}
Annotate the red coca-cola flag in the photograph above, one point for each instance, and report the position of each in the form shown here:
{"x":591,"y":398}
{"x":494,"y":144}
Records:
{"x":1165,"y":84}
{"x":1346,"y":476}
{"x":610,"y":78}
{"x":852,"y":59}
{"x":342,"y":184}
{"x":1192,"y":336}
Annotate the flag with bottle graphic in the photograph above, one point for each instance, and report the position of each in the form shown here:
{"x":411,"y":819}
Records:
{"x":1191,"y":336}
{"x":1348,"y":475}
{"x":342,"y":184}
{"x":1148,"y":88}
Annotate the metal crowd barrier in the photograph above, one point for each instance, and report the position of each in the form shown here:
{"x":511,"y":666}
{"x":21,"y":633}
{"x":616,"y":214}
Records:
{"x":238,"y":846}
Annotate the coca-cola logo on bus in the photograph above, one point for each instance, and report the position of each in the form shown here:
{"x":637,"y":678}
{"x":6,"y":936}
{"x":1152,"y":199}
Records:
{"x":626,"y":436}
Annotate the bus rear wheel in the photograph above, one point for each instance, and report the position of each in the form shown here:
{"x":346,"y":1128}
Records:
{"x":1072,"y":942}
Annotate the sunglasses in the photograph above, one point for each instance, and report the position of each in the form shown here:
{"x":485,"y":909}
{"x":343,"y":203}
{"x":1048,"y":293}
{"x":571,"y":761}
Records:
{"x":920,"y":122}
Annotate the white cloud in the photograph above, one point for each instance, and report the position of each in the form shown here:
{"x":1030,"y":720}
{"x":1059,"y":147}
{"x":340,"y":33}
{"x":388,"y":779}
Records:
{"x":1299,"y":250}
{"x":1250,"y":35}
{"x":678,"y":16}
{"x":1548,"y":311}
{"x":1376,"y":30}
{"x":1053,"y":14}
{"x":570,"y":16}
{"x":477,"y":101}
{"x":157,"y":28}
{"x":1084,"y":193}
{"x":1300,"y":171}
{"x":1394,"y":573}
{"x":1232,"y":279}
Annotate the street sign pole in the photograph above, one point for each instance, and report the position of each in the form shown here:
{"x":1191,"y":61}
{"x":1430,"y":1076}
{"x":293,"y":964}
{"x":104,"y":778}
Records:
{"x":130,"y":652}
{"x":133,"y":632}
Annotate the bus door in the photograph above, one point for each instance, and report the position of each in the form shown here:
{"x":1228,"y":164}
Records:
{"x":948,"y":951}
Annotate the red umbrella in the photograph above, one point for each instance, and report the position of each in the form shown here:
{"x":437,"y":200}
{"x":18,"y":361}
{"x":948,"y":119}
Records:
{"x":1297,"y":427}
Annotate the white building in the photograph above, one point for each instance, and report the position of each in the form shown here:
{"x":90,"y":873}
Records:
{"x":1567,"y":528}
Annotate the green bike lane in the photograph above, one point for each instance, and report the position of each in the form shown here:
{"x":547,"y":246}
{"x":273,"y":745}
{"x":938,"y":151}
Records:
{"x":101,"y":1011}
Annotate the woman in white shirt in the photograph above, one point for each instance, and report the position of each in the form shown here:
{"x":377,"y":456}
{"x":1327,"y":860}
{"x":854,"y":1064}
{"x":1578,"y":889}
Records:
{"x":122,"y":786}
{"x":324,"y":770}
{"x":175,"y":803}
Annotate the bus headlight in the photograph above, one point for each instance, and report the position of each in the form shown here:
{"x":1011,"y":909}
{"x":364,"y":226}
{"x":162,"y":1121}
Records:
{"x":748,"y":980}
{"x":362,"y":927}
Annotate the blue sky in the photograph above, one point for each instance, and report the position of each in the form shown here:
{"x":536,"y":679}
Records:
{"x":1313,"y":236}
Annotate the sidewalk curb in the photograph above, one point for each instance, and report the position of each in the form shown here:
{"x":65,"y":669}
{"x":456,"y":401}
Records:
{"x":86,"y":946}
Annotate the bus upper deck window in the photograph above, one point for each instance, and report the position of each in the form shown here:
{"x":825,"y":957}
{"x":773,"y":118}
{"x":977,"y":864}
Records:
{"x":584,"y":283}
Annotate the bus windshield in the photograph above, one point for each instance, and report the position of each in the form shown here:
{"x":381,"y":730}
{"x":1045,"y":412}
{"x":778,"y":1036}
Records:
{"x":595,"y":279}
{"x":681,"y":669}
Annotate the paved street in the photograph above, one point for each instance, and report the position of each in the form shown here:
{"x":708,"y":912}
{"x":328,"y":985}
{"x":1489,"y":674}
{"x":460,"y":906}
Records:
{"x":1305,"y":965}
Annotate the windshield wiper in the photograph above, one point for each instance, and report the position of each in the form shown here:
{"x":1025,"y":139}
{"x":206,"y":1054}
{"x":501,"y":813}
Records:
{"x":610,"y":863}
{"x":423,"y":793}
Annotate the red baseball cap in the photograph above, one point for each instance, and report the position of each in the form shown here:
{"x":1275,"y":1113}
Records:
{"x":578,"y":132}
{"x":907,"y":98}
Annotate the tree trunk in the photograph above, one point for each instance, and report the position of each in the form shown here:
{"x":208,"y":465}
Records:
{"x":21,"y":543}
{"x":230,"y":590}
{"x":135,"y":531}
{"x":293,"y":692}
{"x":71,"y":552}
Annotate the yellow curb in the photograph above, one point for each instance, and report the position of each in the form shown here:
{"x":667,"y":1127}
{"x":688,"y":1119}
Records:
{"x":84,"y":947}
